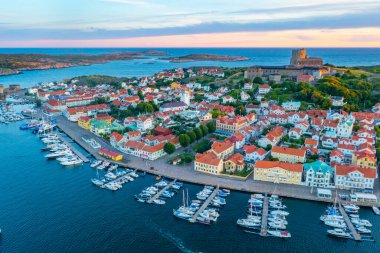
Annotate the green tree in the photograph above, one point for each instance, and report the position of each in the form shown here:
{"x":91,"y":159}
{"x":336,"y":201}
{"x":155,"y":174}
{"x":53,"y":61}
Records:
{"x":204,"y":129}
{"x":192,"y":136}
{"x":198,"y":133}
{"x":38,"y":103}
{"x":184,"y":140}
{"x":240,"y":110}
{"x":258,"y":80}
{"x":215,"y":113}
{"x":211,"y":126}
{"x":169,"y":148}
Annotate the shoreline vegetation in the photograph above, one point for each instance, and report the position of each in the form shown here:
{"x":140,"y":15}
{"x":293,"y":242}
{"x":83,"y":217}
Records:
{"x":13,"y":64}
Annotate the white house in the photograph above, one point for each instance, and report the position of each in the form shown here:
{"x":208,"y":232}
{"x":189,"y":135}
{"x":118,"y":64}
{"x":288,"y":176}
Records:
{"x":253,"y":153}
{"x":354,"y":177}
{"x":318,"y":174}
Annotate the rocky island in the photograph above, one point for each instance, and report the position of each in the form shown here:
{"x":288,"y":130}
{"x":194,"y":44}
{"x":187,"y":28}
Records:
{"x":11,"y":64}
{"x":205,"y":57}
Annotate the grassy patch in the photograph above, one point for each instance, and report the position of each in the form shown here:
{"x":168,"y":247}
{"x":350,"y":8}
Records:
{"x":202,"y":146}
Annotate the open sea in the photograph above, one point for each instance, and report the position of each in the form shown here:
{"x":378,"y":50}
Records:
{"x":138,"y":68}
{"x":45,"y":207}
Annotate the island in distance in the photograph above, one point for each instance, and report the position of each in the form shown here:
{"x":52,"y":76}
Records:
{"x":205,"y":57}
{"x":11,"y":64}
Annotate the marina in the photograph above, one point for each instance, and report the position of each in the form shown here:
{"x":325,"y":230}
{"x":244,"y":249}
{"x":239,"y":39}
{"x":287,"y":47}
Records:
{"x":204,"y":205}
{"x":264,"y":220}
{"x":73,"y":149}
{"x":350,"y":226}
{"x":158,"y":195}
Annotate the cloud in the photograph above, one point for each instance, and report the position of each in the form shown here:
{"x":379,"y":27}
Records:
{"x":134,"y":3}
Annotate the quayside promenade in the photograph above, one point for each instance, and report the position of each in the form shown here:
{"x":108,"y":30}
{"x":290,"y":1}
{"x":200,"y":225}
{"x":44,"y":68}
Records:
{"x":188,"y":174}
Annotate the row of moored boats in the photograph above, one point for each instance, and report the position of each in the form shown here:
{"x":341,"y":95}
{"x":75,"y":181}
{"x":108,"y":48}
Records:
{"x":149,"y":192}
{"x":276,"y":218}
{"x":197,"y":211}
{"x":59,"y":150}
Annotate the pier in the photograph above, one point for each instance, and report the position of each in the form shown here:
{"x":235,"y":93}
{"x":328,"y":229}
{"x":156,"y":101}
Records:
{"x":264,"y":218}
{"x":205,"y":204}
{"x":75,"y":151}
{"x":150,"y":201}
{"x":350,"y":226}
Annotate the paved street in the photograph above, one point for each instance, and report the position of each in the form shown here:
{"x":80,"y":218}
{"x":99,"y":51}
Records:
{"x":187,"y":173}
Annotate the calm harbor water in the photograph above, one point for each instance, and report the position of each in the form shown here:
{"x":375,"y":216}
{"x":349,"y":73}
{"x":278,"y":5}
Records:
{"x":48,"y":208}
{"x":258,"y":56}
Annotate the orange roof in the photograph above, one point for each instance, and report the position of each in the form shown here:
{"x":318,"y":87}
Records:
{"x":208,"y":158}
{"x":288,"y":151}
{"x":311,"y":142}
{"x":274,"y":164}
{"x":336,"y":153}
{"x":361,"y":155}
{"x":344,"y":170}
{"x":134,"y":133}
{"x":118,"y":137}
{"x":219,"y":147}
{"x":237,"y":159}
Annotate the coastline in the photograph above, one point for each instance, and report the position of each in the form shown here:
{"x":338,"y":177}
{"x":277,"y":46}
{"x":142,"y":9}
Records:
{"x":76,"y":133}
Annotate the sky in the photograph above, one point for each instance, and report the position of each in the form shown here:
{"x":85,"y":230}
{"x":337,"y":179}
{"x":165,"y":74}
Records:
{"x":194,"y":23}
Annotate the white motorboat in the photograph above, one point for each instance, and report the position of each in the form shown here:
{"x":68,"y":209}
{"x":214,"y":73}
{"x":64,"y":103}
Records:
{"x":110,"y":175}
{"x":159,"y":202}
{"x":363,"y":230}
{"x":336,"y":223}
{"x":73,"y":162}
{"x":58,"y":153}
{"x":281,"y":234}
{"x":96,"y":163}
{"x":134,"y":174}
{"x":361,"y":222}
{"x":376,"y":210}
{"x":247,"y":223}
{"x":161,"y":184}
{"x":331,"y":217}
{"x":97,"y":182}
{"x":279,"y":212}
{"x":338,"y":233}
{"x":277,"y":225}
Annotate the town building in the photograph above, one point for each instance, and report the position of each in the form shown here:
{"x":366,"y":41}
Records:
{"x":278,"y":172}
{"x":355,"y":178}
{"x":318,"y":174}
{"x":208,"y":163}
{"x":290,"y":155}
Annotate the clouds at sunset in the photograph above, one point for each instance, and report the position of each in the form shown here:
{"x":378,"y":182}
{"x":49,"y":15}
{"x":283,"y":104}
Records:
{"x":169,"y":23}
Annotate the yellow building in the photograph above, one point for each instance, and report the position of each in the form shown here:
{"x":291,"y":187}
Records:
{"x":289,"y":155}
{"x":234,"y":163}
{"x":84,"y":122}
{"x":278,"y":172}
{"x":228,"y":126}
{"x":364,"y":160}
{"x":208,"y":163}
{"x":175,"y":85}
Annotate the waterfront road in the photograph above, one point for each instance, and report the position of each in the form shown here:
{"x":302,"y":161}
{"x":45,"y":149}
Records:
{"x":188,"y":174}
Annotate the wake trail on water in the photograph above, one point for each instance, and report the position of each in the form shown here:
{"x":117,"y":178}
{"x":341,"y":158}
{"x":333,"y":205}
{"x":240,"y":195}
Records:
{"x":170,"y":237}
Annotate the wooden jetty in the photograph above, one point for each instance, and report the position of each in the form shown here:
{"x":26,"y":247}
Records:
{"x":205,"y":204}
{"x":350,"y":226}
{"x":158,"y":194}
{"x":264,"y":218}
{"x":74,"y":150}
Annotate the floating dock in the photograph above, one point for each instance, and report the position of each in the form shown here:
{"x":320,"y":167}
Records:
{"x":350,"y":226}
{"x":264,"y":218}
{"x":205,"y":204}
{"x":158,"y":194}
{"x":75,"y":151}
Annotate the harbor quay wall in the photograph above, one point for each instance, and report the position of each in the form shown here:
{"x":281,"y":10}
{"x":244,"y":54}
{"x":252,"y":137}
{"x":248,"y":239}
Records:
{"x":160,"y":167}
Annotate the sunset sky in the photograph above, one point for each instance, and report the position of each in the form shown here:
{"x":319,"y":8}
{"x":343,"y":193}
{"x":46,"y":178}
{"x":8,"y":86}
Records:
{"x":179,"y":23}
